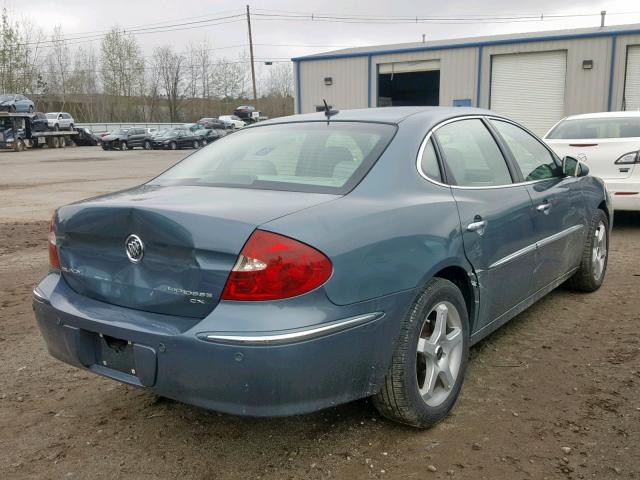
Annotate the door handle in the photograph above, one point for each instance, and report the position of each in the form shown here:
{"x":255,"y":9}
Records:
{"x":477,"y":227}
{"x":544,"y":208}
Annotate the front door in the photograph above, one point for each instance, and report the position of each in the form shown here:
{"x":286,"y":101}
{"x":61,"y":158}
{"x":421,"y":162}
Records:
{"x":558,"y":213}
{"x":495,"y":215}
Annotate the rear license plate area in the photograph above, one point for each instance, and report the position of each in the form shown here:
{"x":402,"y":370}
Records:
{"x":115,"y":353}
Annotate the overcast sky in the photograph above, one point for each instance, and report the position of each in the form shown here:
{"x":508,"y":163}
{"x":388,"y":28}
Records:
{"x":77,"y":17}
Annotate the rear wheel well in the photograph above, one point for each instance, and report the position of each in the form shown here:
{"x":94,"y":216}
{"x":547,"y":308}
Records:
{"x":603,"y":207}
{"x":459,"y":277}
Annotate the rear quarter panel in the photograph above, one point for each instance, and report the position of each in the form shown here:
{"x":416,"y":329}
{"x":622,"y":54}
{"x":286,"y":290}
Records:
{"x":392,"y":233}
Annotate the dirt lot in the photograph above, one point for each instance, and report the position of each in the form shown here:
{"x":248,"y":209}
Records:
{"x":554,"y":394}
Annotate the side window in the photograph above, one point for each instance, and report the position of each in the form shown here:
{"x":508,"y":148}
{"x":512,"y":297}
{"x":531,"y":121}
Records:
{"x":429,"y":162}
{"x":472,"y":155}
{"x":534,"y":160}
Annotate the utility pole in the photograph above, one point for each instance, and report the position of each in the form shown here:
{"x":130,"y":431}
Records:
{"x":602,"y":15}
{"x":253,"y":67}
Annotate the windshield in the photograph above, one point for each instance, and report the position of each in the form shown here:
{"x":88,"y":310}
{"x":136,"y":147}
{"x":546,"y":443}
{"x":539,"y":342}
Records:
{"x":592,"y":128}
{"x":309,"y":157}
{"x":122,"y":131}
{"x":52,"y":115}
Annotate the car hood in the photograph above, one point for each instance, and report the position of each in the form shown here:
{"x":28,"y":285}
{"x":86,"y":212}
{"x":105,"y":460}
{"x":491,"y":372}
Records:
{"x":108,"y":138}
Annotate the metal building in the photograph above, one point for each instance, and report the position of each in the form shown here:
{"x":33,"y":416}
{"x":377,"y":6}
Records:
{"x":535,"y":78}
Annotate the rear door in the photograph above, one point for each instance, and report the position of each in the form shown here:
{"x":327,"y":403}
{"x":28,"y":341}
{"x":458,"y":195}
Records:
{"x":495,"y":215}
{"x":559,"y":211}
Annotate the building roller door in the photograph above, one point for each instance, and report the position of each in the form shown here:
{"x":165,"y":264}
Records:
{"x":632,"y":79}
{"x":529,"y":88}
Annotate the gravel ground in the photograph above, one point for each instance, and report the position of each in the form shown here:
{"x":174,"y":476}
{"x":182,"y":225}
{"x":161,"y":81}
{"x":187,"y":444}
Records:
{"x":553,"y":394}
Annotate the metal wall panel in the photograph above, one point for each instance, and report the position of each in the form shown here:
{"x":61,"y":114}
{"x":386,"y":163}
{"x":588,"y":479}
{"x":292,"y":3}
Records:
{"x":349,"y":88}
{"x":586,"y":90}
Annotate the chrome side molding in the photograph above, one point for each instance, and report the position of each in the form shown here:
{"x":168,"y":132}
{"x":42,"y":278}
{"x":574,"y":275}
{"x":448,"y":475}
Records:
{"x":292,"y":336}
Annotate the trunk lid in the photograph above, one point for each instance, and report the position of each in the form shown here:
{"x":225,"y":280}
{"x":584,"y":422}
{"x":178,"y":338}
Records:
{"x":600,"y":154}
{"x":191,"y":238}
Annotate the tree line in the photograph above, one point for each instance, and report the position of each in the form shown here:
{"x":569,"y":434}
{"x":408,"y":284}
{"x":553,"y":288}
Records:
{"x":115,"y":82}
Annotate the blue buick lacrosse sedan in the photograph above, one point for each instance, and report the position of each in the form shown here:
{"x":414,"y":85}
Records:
{"x":312,"y":260}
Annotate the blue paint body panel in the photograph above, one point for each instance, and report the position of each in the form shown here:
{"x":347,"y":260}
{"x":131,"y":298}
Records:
{"x":385,"y":238}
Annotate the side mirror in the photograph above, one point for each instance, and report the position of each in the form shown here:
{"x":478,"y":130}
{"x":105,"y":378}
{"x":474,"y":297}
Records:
{"x":572,"y":167}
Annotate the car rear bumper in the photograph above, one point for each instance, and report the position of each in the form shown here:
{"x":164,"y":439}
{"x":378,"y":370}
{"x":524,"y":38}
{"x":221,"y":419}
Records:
{"x":625,"y":194}
{"x":259,"y":373}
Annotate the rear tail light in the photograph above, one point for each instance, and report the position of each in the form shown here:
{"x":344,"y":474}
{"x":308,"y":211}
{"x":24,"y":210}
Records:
{"x":629,"y":158}
{"x":272,"y":267}
{"x":54,"y":261}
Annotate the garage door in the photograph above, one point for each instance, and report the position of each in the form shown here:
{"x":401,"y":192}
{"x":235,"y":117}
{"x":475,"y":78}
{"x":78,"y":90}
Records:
{"x":529,"y":88}
{"x":632,"y":79}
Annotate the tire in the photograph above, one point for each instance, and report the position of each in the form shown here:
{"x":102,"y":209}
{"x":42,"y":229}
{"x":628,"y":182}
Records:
{"x":123,"y":146}
{"x":196,"y":144}
{"x":71,"y":127}
{"x":12,"y":109}
{"x":401,"y":396}
{"x":62,"y":143}
{"x":56,"y":127}
{"x":173,"y":146}
{"x":55,"y":142}
{"x":20,"y":145}
{"x":147,"y":145}
{"x":595,"y":256}
{"x":104,"y":147}
{"x":30,"y":108}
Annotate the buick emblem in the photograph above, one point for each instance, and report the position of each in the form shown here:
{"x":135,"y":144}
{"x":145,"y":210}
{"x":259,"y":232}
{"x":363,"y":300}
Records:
{"x":134,"y":248}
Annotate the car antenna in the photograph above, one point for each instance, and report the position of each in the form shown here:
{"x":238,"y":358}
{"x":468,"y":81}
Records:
{"x":328,"y":112}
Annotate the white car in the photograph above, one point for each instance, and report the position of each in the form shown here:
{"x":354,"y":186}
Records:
{"x":60,"y":121}
{"x":234,"y":121}
{"x":609,"y":143}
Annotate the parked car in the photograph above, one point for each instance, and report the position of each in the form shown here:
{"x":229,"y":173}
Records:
{"x":213,"y":123}
{"x":126,"y":138}
{"x":232,"y":121}
{"x":11,"y":102}
{"x":365,"y":250}
{"x":86,"y":138}
{"x":176,"y":138}
{"x":39,"y":122}
{"x":60,"y":121}
{"x":609,"y":143}
{"x":205,"y":135}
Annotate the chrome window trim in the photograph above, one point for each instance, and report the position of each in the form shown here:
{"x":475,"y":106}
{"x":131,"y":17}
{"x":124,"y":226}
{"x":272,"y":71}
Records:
{"x":296,"y":336}
{"x":426,"y":139}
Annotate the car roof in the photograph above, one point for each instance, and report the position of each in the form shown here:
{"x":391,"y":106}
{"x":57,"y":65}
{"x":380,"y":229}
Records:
{"x":431,"y":115}
{"x":628,"y":113}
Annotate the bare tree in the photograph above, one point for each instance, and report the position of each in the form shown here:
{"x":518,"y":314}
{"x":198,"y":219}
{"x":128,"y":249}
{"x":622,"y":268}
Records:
{"x":19,"y":45}
{"x":59,"y":64}
{"x":170,"y":70}
{"x":122,"y":68}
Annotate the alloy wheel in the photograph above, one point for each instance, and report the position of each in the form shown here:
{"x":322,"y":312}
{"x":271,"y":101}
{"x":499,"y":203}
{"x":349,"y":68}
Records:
{"x":439,"y":353}
{"x":599,"y":252}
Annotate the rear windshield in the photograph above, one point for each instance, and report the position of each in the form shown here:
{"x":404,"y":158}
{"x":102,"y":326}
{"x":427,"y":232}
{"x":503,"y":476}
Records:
{"x":308,"y":157}
{"x":591,"y":128}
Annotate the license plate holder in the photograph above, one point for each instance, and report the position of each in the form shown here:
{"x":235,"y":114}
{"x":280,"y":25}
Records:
{"x":116,"y":354}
